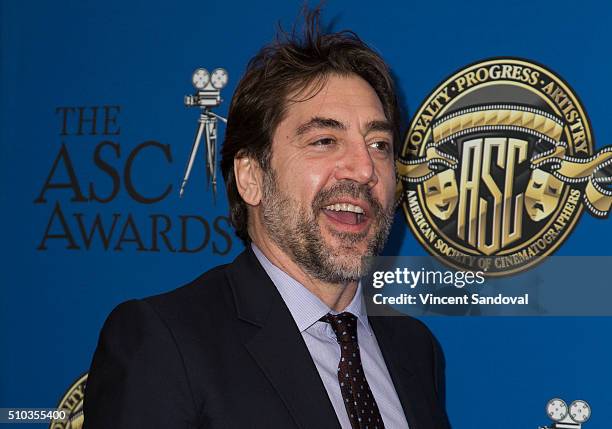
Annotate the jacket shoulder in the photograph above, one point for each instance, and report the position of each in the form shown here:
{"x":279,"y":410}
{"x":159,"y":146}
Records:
{"x":205,"y":298}
{"x":207,"y":285}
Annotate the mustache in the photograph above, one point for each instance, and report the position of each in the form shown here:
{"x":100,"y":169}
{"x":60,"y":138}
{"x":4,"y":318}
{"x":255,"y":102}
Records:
{"x":347,"y":189}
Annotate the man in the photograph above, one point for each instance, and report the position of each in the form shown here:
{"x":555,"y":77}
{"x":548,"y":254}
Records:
{"x":280,"y":338}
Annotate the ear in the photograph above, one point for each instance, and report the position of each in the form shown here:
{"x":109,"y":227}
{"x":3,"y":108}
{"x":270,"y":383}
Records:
{"x":248,"y":177}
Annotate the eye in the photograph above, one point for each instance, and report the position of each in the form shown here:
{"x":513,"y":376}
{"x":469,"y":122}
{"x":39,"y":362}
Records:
{"x":323,"y":142}
{"x":432,"y":189}
{"x":448,"y":184}
{"x":381,"y":145}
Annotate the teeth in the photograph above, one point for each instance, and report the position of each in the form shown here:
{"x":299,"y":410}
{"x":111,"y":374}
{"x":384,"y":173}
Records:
{"x":345,"y":208}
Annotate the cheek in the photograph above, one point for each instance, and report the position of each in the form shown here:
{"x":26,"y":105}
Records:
{"x":302,"y":180}
{"x":387,"y":182}
{"x":433,"y":198}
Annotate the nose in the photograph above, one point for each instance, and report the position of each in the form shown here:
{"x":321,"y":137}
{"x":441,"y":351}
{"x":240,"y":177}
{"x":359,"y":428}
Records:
{"x":356,"y":164}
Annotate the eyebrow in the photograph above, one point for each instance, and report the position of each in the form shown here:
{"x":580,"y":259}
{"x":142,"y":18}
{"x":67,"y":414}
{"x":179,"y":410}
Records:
{"x":379,"y":126}
{"x":320,"y":122}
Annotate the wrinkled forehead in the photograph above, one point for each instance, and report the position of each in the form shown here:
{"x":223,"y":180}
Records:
{"x":333,"y":95}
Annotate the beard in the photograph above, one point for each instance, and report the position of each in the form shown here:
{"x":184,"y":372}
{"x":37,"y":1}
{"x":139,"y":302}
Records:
{"x":295,"y":230}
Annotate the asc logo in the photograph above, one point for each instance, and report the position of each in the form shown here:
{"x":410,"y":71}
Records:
{"x":498,"y":165}
{"x":72,"y":403}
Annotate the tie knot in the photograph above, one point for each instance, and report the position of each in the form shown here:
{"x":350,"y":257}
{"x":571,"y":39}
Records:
{"x":344,"y":326}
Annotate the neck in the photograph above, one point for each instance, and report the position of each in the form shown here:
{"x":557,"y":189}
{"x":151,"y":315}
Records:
{"x":335,"y":296}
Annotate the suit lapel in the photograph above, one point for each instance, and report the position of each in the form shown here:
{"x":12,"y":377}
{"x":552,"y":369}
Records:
{"x":402,"y":370}
{"x":277,"y":346}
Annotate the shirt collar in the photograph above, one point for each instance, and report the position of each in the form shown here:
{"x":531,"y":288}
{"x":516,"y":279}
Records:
{"x":305,"y":307}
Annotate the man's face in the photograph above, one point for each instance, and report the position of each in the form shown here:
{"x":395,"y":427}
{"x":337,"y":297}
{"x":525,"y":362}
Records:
{"x":328,"y":200}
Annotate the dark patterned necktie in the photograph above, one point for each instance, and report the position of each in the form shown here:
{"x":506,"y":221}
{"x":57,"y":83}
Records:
{"x":358,"y":399}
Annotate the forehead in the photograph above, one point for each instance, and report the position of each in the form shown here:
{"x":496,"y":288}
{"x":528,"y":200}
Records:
{"x":446,"y":176}
{"x":443,"y":176}
{"x":349,"y":99}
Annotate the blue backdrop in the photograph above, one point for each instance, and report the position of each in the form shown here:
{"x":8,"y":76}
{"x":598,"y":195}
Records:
{"x":128,"y":64}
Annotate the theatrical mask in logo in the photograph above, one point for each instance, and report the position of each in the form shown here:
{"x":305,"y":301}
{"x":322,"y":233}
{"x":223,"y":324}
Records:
{"x":498,"y":165}
{"x":441,"y":194}
{"x":542,"y":194}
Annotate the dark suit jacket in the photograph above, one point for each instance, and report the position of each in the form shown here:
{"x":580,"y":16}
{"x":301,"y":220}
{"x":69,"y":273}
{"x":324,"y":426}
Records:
{"x":224,"y":352}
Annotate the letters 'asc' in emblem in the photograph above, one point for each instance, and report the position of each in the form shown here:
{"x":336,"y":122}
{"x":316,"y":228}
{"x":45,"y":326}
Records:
{"x":498,"y":165}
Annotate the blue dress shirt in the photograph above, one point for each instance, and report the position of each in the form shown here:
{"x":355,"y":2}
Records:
{"x":320,"y":339}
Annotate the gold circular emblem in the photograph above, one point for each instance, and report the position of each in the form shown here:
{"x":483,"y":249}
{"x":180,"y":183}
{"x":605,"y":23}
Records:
{"x":498,"y":166}
{"x":72,"y":402}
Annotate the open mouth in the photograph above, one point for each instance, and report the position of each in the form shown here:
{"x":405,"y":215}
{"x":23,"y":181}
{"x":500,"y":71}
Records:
{"x":443,"y":207}
{"x":538,"y":206}
{"x":345,"y":213}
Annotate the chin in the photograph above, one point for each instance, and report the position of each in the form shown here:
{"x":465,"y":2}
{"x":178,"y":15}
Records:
{"x":346,"y":255}
{"x":343,"y":245}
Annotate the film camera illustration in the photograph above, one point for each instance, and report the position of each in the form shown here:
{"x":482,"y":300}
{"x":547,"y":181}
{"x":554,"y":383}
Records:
{"x":208,"y":95}
{"x":565,"y":417}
